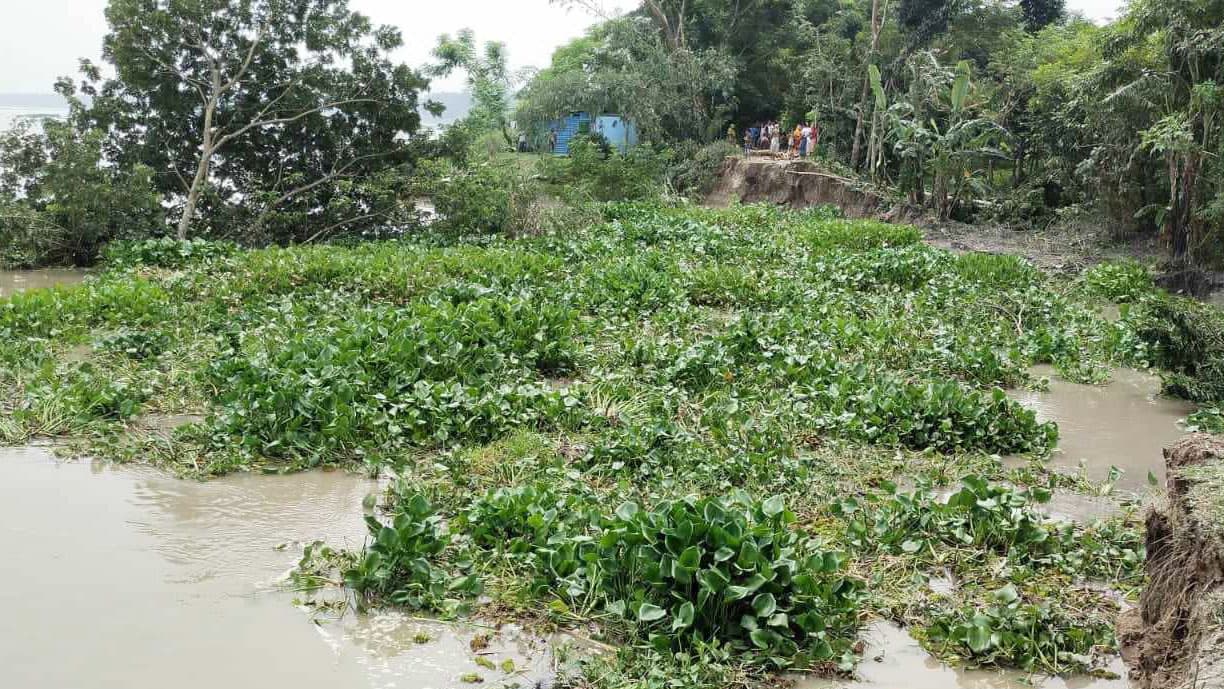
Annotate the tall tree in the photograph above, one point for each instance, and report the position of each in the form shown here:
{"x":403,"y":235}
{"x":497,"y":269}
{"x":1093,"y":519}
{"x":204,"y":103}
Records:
{"x":488,"y":78}
{"x":257,"y":108}
{"x":1039,"y":14}
{"x":879,"y":13}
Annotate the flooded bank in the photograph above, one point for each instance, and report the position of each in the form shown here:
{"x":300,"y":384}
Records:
{"x":14,"y":281}
{"x":894,"y":660}
{"x":125,"y":578}
{"x":1125,"y":424}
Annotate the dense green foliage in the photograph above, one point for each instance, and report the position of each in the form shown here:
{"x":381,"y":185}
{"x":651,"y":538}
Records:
{"x":1011,"y":110}
{"x":256,"y":120}
{"x":654,"y":357}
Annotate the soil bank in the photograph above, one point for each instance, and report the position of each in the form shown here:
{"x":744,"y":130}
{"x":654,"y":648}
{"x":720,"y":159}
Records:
{"x":1175,"y":638}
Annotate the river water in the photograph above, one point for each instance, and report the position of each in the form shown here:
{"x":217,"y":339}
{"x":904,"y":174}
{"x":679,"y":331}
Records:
{"x":13,"y":281}
{"x":1125,"y":424}
{"x":894,"y":660}
{"x":123,"y":578}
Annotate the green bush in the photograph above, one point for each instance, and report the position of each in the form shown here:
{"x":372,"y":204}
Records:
{"x":1122,"y":282}
{"x":166,"y":252}
{"x":1186,"y":338}
{"x":480,"y":198}
{"x":694,"y":168}
{"x":733,"y":571}
{"x":401,"y":564}
{"x":593,"y":173}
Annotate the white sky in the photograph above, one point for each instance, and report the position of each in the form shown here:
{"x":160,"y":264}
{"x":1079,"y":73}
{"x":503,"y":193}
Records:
{"x":42,"y":39}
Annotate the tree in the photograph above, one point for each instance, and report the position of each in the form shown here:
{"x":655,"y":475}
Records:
{"x":667,"y":94}
{"x":1039,"y":14}
{"x":879,"y":14}
{"x":59,"y":201}
{"x":488,"y":78}
{"x":255,"y":109}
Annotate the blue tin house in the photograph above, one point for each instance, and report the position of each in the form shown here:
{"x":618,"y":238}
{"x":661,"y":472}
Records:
{"x":620,"y":133}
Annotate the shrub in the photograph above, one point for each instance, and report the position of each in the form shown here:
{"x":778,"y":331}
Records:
{"x":695,"y":167}
{"x":733,"y":571}
{"x":166,"y":252}
{"x":1121,"y":282}
{"x":481,"y":198}
{"x":401,"y":563}
{"x":592,"y":173}
{"x":1186,"y":338}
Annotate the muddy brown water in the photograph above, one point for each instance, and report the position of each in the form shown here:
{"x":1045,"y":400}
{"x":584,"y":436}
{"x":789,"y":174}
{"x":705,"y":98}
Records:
{"x":13,"y":281}
{"x":124,"y":578}
{"x":1125,"y":424}
{"x":894,"y":660}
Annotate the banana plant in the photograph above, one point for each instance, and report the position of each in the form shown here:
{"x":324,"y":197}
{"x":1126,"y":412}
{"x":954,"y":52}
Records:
{"x":947,"y":153}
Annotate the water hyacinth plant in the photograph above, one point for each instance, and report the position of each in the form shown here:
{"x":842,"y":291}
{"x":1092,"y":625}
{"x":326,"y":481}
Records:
{"x":676,"y":426}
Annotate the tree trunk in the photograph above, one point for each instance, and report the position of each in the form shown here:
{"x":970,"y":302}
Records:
{"x":193,"y":195}
{"x":856,"y":148}
{"x":1183,"y":177}
{"x":1018,"y":165}
{"x":858,"y":126}
{"x":207,"y":148}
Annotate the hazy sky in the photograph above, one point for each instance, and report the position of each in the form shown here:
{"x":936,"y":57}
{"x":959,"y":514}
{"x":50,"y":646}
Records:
{"x":42,"y":39}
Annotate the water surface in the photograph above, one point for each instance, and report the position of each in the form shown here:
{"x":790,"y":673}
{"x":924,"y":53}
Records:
{"x":13,"y":281}
{"x":1125,"y":424}
{"x":127,"y":579}
{"x":894,"y":660}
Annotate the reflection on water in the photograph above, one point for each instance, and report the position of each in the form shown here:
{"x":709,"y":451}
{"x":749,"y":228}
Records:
{"x":1125,"y":424}
{"x":125,"y":578}
{"x":13,"y":281}
{"x":894,"y":660}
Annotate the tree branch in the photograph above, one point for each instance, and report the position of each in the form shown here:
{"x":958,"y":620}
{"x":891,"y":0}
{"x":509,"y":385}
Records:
{"x":284,"y":120}
{"x":330,"y":228}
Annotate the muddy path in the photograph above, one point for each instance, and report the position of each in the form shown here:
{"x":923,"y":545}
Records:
{"x":119,"y":577}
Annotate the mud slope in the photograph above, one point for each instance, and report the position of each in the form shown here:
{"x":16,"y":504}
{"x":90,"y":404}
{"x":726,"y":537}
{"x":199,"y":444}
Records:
{"x":797,"y":184}
{"x":1175,"y":638}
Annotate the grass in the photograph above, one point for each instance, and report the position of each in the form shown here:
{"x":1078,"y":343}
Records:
{"x":529,"y":391}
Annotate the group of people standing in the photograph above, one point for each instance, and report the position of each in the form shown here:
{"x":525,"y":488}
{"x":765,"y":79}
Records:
{"x":799,"y":143}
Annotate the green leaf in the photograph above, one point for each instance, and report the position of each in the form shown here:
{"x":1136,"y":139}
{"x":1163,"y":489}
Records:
{"x":979,"y":638}
{"x":960,"y":87}
{"x":773,"y":506}
{"x":877,"y":88}
{"x":648,"y":612}
{"x":746,"y":589}
{"x":1007,"y":594}
{"x":764,"y":605}
{"x":684,"y":616}
{"x":627,"y":511}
